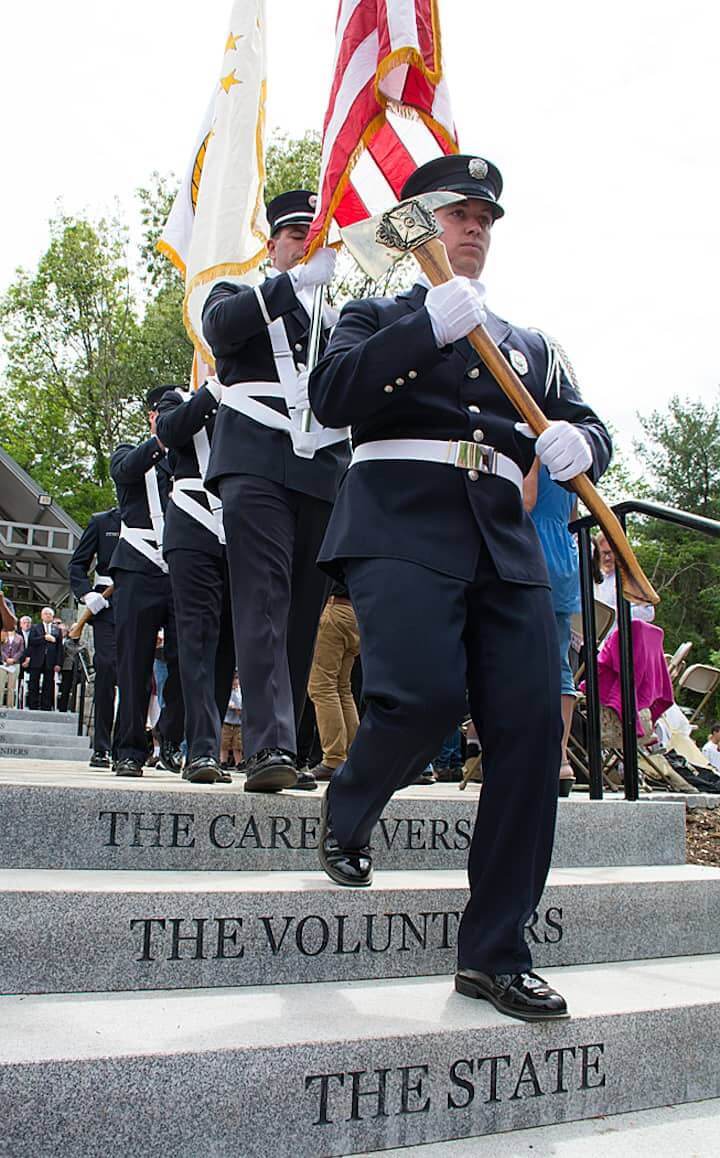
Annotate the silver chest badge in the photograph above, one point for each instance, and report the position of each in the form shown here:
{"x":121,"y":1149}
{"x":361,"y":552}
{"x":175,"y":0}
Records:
{"x":518,"y":361}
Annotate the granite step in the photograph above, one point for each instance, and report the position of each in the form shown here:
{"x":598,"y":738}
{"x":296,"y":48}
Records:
{"x":63,"y":931}
{"x":13,"y":716}
{"x":31,"y":733}
{"x":76,"y":748}
{"x":339,"y":1069}
{"x":87,"y":819}
{"x":685,"y":1131}
{"x":56,"y":728}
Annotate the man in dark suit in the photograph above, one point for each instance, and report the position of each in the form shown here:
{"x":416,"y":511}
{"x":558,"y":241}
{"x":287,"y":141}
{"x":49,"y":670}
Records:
{"x":143,"y":602}
{"x":43,"y":658}
{"x":448,"y":579}
{"x":277,"y":483}
{"x":97,"y":544}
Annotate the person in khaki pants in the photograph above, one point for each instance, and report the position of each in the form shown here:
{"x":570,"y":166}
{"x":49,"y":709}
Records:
{"x":336,"y":648}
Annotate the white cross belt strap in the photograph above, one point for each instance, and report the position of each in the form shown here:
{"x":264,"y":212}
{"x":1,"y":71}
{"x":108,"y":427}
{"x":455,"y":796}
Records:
{"x":144,"y":541}
{"x":243,"y":397}
{"x":183,"y":492}
{"x":183,"y":489}
{"x":152,"y":490}
{"x":470,"y":456}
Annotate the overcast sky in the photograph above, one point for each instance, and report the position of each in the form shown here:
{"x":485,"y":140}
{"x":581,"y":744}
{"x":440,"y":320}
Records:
{"x":603,"y":119}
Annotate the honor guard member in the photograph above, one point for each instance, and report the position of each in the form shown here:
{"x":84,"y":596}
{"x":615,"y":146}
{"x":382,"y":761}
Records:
{"x":194,"y":549}
{"x":143,"y":602}
{"x":448,"y":579}
{"x":98,"y":541}
{"x":277,"y":483}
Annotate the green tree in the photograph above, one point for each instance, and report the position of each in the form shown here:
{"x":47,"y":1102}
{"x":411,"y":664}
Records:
{"x":70,"y":334}
{"x":681,"y":458}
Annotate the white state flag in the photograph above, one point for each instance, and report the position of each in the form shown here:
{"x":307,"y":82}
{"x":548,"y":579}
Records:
{"x":217,"y":229}
{"x":177,"y":232}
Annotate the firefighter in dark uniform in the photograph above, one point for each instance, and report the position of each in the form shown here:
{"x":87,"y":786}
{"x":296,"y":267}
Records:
{"x":194,"y":549}
{"x":143,"y":602}
{"x":277,"y":482}
{"x":448,"y":579}
{"x":98,"y":541}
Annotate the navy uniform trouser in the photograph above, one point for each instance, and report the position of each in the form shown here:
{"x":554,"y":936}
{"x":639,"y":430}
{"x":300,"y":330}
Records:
{"x":426,"y":639}
{"x":278,"y":593}
{"x":143,"y":604}
{"x":105,"y":664}
{"x":206,"y":654}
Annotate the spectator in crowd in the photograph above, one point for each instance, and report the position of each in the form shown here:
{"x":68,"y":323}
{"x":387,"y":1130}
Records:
{"x":11,"y":652}
{"x":337,"y":646}
{"x":24,"y":625}
{"x":231,"y":734}
{"x":605,"y":581}
{"x":711,"y":750}
{"x":43,"y":658}
{"x":551,"y":508}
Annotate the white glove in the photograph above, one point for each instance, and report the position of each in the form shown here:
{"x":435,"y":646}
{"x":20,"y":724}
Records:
{"x":215,"y":388}
{"x":562,"y":448}
{"x":455,"y":309}
{"x":318,"y":270}
{"x":95,"y":602}
{"x":302,"y":401}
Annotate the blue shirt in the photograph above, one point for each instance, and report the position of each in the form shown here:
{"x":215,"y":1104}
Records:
{"x":551,"y":515}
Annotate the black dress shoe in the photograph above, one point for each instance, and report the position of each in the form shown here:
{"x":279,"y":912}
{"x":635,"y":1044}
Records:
{"x":270,"y":770}
{"x":100,"y":760}
{"x":203,"y":770}
{"x":170,"y":758}
{"x":306,"y":780}
{"x":127,"y":768}
{"x":522,"y":995}
{"x":345,"y":866}
{"x":322,"y":772}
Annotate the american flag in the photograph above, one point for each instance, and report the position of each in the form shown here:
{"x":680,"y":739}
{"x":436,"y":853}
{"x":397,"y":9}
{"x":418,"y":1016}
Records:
{"x":389,"y":109}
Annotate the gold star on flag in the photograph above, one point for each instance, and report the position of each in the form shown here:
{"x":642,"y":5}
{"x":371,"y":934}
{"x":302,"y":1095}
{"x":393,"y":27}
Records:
{"x":228,"y":81}
{"x":232,"y":42}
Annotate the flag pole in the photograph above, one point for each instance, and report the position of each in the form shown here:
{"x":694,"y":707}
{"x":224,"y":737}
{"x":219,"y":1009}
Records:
{"x":314,"y":344}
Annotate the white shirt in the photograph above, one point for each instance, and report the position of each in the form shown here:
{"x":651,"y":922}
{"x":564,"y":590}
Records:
{"x":711,"y":752}
{"x":605,"y":592}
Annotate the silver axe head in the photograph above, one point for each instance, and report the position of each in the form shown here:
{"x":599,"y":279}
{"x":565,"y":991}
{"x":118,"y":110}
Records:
{"x":378,"y":242}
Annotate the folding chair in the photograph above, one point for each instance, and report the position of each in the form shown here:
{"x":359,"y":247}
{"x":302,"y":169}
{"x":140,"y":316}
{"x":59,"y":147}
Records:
{"x":702,"y":679}
{"x":676,"y":662}
{"x":604,"y":621}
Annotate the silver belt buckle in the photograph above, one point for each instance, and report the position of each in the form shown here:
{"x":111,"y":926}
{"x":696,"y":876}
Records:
{"x":475,"y":456}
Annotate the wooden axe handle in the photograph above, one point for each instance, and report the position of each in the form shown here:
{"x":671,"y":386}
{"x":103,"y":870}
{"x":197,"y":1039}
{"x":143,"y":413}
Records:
{"x":433,"y":259}
{"x":77,"y":628}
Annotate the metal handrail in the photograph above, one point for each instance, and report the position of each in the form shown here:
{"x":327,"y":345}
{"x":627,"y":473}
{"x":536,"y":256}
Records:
{"x":582,"y":528}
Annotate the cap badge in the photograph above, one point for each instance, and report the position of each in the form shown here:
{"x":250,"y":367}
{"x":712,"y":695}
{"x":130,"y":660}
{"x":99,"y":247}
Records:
{"x":477,"y":168}
{"x":312,"y":200}
{"x":518,"y":361}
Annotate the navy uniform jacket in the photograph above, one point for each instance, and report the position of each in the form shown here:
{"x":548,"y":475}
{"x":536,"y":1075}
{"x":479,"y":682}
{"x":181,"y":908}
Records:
{"x":236,"y":331}
{"x":178,"y":420}
{"x":424,"y":512}
{"x":98,"y":541}
{"x":128,"y":466}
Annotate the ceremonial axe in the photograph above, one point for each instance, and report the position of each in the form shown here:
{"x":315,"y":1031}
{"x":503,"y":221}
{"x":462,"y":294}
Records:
{"x":411,"y":227}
